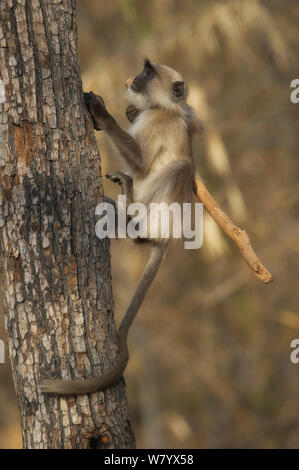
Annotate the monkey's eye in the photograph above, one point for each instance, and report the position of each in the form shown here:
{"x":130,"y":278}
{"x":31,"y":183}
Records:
{"x":147,"y":72}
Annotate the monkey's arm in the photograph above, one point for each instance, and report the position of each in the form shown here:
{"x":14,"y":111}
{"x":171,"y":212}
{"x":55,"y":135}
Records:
{"x":124,"y":142}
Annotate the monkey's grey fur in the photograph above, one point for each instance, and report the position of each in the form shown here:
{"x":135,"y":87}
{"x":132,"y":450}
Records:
{"x":158,"y":156}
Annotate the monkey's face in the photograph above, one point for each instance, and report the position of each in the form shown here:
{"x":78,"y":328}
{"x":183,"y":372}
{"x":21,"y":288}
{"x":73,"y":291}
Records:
{"x":156,"y":86}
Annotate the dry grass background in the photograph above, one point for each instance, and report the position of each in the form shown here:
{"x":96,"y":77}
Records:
{"x":210,"y":350}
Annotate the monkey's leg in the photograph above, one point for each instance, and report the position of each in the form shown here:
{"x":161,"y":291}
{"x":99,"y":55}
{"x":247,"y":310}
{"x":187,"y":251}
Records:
{"x":114,"y":204}
{"x":116,"y":211}
{"x":124,"y":142}
{"x":126,"y":184}
{"x":111,"y":201}
{"x":70,"y":387}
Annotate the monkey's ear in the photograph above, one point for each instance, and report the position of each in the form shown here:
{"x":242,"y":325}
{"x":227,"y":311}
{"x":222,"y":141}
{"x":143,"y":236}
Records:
{"x":177,"y":90}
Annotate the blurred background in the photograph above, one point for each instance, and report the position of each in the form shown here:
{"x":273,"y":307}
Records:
{"x":210,"y":351}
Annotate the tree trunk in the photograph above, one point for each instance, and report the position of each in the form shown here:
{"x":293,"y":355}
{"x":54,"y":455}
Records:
{"x":56,"y":274}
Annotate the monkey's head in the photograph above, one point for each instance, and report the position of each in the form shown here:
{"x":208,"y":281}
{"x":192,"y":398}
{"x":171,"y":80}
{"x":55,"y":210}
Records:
{"x":157,"y":86}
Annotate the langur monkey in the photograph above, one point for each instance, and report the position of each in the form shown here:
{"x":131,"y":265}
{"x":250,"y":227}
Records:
{"x":159,"y":168}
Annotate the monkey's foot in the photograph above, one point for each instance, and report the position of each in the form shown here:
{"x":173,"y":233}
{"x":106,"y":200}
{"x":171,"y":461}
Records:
{"x":132,"y":112}
{"x":97,"y":110}
{"x":124,"y":181}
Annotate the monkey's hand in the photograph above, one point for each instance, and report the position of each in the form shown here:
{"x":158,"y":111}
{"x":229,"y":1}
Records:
{"x":132,"y":112}
{"x":97,"y":109}
{"x":124,"y":181}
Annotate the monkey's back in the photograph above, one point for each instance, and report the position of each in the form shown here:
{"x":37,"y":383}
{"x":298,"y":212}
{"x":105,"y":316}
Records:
{"x":168,"y":167}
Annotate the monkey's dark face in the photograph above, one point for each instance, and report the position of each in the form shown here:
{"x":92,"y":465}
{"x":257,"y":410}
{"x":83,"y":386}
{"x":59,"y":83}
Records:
{"x":157,"y":85}
{"x":140,"y":82}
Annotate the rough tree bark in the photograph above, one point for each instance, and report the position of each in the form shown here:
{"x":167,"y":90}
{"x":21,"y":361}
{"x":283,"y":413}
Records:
{"x":56,"y":273}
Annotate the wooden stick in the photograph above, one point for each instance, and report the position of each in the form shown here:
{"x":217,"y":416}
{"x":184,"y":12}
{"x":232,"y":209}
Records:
{"x":237,"y":235}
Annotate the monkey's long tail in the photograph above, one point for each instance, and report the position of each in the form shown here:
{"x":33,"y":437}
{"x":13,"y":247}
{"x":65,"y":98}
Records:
{"x":81,"y":386}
